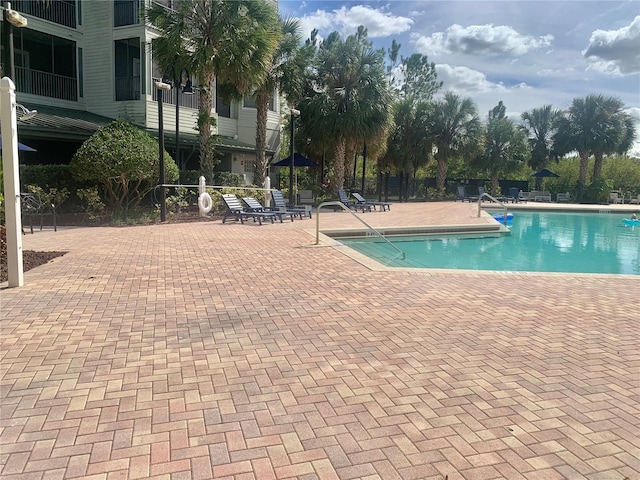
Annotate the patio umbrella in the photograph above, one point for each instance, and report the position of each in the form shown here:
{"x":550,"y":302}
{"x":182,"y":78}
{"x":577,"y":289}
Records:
{"x":545,"y":173}
{"x":298,"y":161}
{"x":21,"y":146}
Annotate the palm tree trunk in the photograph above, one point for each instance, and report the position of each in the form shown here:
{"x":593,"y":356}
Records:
{"x":260,"y":167}
{"x":441,"y":173}
{"x":349,"y":161}
{"x":597,"y":165}
{"x":584,"y":163}
{"x":338,"y":165}
{"x":494,"y":183}
{"x":204,"y":126}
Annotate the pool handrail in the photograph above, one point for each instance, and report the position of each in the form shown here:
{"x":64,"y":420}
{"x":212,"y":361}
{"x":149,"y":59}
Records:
{"x":344,"y":207}
{"x":493,"y":199}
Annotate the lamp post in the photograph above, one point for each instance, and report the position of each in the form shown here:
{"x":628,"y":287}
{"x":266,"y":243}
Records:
{"x":11,"y":19}
{"x":161,"y":87}
{"x":294,"y":114}
{"x":187,"y":90}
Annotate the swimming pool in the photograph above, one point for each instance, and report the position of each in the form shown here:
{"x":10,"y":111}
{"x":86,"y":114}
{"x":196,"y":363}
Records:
{"x":539,"y":242}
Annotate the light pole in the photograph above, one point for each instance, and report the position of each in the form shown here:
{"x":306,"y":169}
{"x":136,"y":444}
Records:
{"x":187,"y":90}
{"x":294,"y":114}
{"x":11,"y":19}
{"x":161,"y":87}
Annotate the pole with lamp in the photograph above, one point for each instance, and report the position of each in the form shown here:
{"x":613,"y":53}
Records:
{"x":8,"y":123}
{"x":294,"y":113}
{"x":10,"y":19}
{"x":187,"y":90}
{"x":162,"y":87}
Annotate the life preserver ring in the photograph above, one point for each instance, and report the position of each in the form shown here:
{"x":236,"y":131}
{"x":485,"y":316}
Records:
{"x":205,"y":204}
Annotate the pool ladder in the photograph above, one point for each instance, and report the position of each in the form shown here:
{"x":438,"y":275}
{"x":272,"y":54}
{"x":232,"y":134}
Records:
{"x":344,"y":207}
{"x":493,"y":199}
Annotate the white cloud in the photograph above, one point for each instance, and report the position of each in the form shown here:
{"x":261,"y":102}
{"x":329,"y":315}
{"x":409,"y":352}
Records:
{"x":466,"y":81}
{"x":481,"y":40}
{"x":615,"y":52}
{"x":347,"y":20}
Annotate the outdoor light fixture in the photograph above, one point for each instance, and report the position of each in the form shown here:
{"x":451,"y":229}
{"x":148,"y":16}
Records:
{"x":14,"y":18}
{"x":11,"y":19}
{"x":187,"y":90}
{"x":294,"y":113}
{"x":26,"y":113}
{"x":161,"y":87}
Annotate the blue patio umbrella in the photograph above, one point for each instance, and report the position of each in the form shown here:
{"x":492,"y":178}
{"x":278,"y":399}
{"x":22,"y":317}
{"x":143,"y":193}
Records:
{"x":298,"y":161}
{"x":21,"y":146}
{"x":545,"y":173}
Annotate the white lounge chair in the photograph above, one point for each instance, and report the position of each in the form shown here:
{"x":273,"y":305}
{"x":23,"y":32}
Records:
{"x":563,"y":197}
{"x":635,"y":200}
{"x":615,"y":197}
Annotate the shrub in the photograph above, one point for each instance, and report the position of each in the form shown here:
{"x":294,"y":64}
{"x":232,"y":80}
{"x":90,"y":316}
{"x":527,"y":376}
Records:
{"x":124,"y":160}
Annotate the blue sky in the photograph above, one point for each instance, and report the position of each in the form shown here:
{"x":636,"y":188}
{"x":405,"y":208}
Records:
{"x":525,"y":53}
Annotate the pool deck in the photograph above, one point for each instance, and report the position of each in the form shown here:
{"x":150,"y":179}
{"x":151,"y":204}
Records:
{"x":203,"y":350}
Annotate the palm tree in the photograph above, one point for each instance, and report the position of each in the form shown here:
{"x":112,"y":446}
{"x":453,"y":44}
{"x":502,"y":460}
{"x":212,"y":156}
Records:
{"x":284,"y":73}
{"x":505,"y":147}
{"x":351,"y":94}
{"x":224,"y":39}
{"x":539,"y":124}
{"x":456,"y":131}
{"x":594,"y":125}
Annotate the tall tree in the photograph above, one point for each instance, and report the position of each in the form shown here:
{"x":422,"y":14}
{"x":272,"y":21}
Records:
{"x":456,"y":131}
{"x":231,"y":40}
{"x":594,"y":125}
{"x":540,"y":123}
{"x":505,"y":147}
{"x":284,"y":74}
{"x":351,"y":92}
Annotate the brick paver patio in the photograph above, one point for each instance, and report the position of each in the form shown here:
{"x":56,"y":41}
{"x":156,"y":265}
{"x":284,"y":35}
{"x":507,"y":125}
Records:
{"x":202,"y":350}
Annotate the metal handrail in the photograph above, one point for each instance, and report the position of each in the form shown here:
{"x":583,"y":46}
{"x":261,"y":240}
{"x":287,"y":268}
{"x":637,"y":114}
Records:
{"x":344,"y":207}
{"x":493,"y":199}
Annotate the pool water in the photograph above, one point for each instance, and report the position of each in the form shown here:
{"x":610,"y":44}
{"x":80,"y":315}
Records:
{"x":539,"y":242}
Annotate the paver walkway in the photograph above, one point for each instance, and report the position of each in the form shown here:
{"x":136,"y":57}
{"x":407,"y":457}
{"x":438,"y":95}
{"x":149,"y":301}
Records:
{"x":202,"y":350}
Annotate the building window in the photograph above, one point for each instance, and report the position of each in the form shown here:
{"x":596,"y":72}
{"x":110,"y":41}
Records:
{"x":223,"y":108}
{"x":249,"y":101}
{"x":45,"y":65}
{"x":127,"y":69}
{"x":126,"y":12}
{"x":248,"y":166}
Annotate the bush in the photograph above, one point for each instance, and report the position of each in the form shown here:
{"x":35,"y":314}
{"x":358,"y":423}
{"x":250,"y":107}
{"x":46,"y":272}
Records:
{"x":124,"y":160}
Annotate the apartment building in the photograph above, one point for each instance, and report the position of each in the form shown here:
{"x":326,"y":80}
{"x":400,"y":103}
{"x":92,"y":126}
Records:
{"x":82,"y":63}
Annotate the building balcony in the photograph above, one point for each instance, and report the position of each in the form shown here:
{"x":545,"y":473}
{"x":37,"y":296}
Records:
{"x":45,"y":84}
{"x":127,"y":88}
{"x":187,"y":101}
{"x":62,"y":12}
{"x":126,"y":12}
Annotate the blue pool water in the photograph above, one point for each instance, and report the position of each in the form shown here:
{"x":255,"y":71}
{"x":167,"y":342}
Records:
{"x":539,"y":242}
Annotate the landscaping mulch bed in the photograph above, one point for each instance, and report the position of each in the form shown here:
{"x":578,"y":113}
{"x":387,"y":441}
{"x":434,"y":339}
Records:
{"x":30,"y":258}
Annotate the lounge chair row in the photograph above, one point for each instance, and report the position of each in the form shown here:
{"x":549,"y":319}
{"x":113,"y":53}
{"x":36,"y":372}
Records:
{"x":361,"y":203}
{"x":254,"y":210}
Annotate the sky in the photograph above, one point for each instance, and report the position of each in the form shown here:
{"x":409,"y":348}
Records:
{"x":524,"y":53}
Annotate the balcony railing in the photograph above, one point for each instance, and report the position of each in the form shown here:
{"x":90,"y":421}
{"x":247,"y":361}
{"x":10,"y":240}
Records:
{"x":127,"y":88}
{"x":60,"y":12}
{"x":126,"y":12}
{"x":188,"y":101}
{"x":46,"y":84}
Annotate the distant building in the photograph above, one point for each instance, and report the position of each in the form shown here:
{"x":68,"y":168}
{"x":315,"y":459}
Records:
{"x":83,"y":63}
